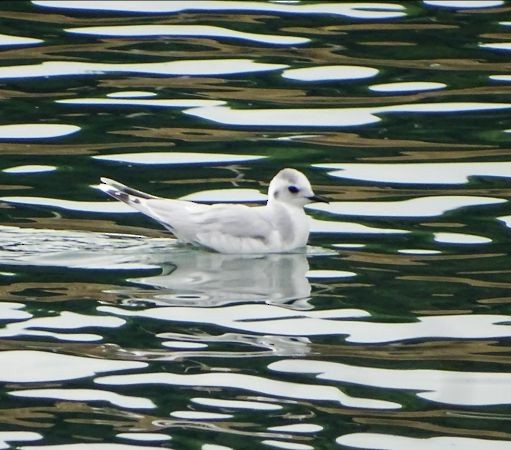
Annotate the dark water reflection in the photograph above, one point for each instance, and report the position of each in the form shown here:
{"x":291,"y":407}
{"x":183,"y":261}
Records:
{"x":390,"y":332}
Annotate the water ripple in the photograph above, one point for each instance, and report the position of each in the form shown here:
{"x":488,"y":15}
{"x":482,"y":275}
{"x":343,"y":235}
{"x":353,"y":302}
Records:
{"x":190,"y":67}
{"x":360,"y":10}
{"x":393,"y":325}
{"x":187,"y":30}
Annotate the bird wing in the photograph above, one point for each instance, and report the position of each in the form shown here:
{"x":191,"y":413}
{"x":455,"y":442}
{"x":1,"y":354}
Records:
{"x":225,"y":228}
{"x":219,"y":226}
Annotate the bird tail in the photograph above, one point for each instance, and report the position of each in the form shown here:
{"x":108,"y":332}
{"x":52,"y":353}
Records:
{"x":123,"y":193}
{"x":138,"y":200}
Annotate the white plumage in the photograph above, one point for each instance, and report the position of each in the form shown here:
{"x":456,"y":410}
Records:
{"x":279,"y":226}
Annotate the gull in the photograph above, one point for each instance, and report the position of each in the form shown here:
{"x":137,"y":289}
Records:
{"x":280,"y":226}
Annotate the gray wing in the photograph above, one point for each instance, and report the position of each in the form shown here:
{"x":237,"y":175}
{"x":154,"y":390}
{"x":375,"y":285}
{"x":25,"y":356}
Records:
{"x":222,"y":227}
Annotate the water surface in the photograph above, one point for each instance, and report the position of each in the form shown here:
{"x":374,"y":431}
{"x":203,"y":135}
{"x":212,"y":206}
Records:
{"x":391,"y":331}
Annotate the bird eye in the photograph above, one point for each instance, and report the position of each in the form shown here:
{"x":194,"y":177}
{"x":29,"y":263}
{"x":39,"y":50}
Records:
{"x":293,"y":189}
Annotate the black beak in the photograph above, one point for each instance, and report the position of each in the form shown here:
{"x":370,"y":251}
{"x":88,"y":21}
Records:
{"x":318,"y":198}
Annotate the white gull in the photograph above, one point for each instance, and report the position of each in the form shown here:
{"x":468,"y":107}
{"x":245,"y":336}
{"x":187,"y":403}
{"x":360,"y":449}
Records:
{"x":279,"y":226}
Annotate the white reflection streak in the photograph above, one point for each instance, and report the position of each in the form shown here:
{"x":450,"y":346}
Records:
{"x":310,"y":117}
{"x":183,"y":345}
{"x":177,"y":158}
{"x":190,"y":67}
{"x":464,"y":4}
{"x":380,"y":441}
{"x":416,"y":207}
{"x":187,"y":30}
{"x":88,"y":446}
{"x":339,"y":72}
{"x":330,"y":117}
{"x":444,"y":107}
{"x":460,"y":238}
{"x":506,"y":220}
{"x":85,"y":395}
{"x":199,"y":415}
{"x":245,"y":313}
{"x":258,"y":384}
{"x":144,"y":437}
{"x":441,"y":386}
{"x":500,"y":77}
{"x":8,"y":436}
{"x":11,"y":311}
{"x":159,"y":103}
{"x":330,"y":274}
{"x":236,"y":404}
{"x":131,"y":94}
{"x":6,"y":39}
{"x":409,"y":86}
{"x":285,"y":445}
{"x":269,"y":319}
{"x":64,"y":321}
{"x":31,"y":366}
{"x":297,"y":428}
{"x":497,"y":46}
{"x":356,"y":10}
{"x":330,"y":226}
{"x":36,"y":130}
{"x":32,"y":168}
{"x":417,"y":173}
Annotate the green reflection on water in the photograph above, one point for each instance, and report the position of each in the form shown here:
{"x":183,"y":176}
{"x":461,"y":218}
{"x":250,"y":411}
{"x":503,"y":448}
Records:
{"x":429,"y":44}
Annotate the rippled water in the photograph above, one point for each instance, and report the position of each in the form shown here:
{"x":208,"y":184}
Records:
{"x":391,"y":332}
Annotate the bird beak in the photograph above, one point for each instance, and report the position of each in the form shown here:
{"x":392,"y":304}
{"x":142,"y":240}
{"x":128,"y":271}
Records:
{"x":318,"y":198}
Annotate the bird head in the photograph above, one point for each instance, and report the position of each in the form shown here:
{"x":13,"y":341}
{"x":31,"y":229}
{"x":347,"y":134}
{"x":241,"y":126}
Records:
{"x":292,"y":187}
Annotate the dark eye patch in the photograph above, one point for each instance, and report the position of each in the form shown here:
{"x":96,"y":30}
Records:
{"x":293,"y":189}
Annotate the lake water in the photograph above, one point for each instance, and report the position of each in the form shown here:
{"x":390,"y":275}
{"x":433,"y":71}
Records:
{"x":392,"y":331}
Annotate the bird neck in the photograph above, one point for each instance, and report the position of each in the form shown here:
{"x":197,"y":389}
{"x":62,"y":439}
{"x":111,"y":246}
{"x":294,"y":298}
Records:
{"x":283,"y":208}
{"x":275,"y":203}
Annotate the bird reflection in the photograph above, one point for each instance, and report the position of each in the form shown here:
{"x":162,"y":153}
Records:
{"x":188,"y":276}
{"x":209,"y":279}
